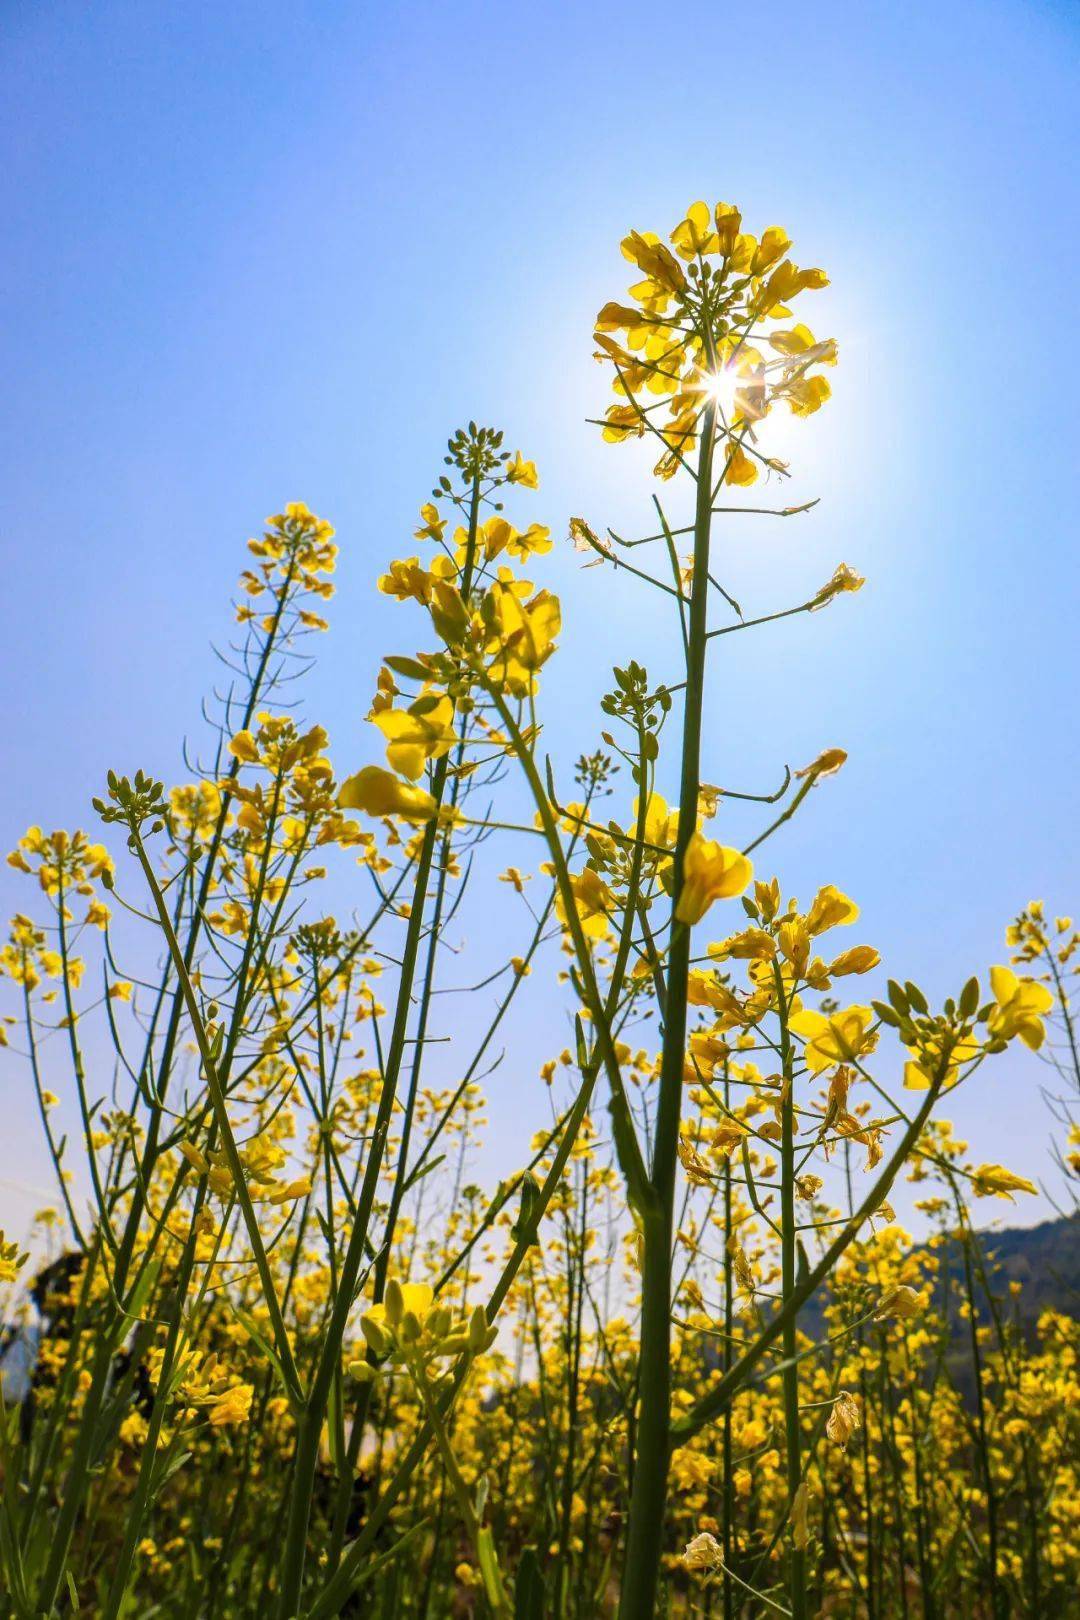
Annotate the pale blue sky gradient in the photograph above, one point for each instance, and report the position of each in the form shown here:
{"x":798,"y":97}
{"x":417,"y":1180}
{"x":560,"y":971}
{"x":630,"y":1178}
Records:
{"x":279,"y":251}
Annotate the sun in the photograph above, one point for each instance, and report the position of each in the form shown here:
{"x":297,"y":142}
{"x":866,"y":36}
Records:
{"x":721,"y":386}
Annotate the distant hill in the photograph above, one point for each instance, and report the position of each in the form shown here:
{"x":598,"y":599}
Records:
{"x":1044,"y":1259}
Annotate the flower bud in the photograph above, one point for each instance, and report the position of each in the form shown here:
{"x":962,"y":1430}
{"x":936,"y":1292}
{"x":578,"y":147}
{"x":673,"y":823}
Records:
{"x":478,"y":1329}
{"x":439,"y":1322}
{"x":374,"y":1335}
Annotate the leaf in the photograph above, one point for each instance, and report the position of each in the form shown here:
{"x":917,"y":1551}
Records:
{"x":257,"y":1339}
{"x":524,"y":1228}
{"x":421,"y":1171}
{"x":137,"y":1299}
{"x":530,"y":1597}
{"x":580,"y":1043}
{"x":172,"y":1466}
{"x":489,"y":1569}
{"x":628,"y":1153}
{"x":364,"y":1575}
{"x":498,"y":1199}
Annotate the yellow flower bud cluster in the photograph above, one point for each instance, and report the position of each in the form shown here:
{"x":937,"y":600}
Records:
{"x":292,"y":558}
{"x":259,"y":1164}
{"x":61,"y":861}
{"x":410,"y":1328}
{"x":11,"y":1261}
{"x":688,"y":332}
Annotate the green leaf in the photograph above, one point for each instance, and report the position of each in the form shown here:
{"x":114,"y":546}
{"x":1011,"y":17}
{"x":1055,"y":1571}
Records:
{"x":489,"y":1569}
{"x":530,"y":1598}
{"x":628,"y":1153}
{"x":580,"y":1043}
{"x":172,"y":1466}
{"x":138,"y":1298}
{"x":341,"y":1591}
{"x":524,"y":1228}
{"x":257,"y":1339}
{"x":422,"y":1171}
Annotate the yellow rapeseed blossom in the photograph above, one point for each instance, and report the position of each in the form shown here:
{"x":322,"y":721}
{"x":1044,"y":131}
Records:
{"x":833,"y":1038}
{"x":233,"y":1405}
{"x":703,"y":1552}
{"x":415,"y":735}
{"x":520,"y":471}
{"x":380,"y":793}
{"x":994,"y":1181}
{"x":711,"y":871}
{"x":1021,"y":1007}
{"x":845,"y":1419}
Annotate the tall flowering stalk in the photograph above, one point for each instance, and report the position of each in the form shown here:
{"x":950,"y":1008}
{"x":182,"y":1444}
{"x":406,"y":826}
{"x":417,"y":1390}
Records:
{"x":691,"y":342}
{"x":703,"y":363}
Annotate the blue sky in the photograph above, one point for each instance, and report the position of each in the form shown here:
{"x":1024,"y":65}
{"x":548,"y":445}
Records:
{"x":271,"y":251}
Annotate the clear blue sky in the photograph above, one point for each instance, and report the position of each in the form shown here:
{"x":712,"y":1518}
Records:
{"x":263,"y":252}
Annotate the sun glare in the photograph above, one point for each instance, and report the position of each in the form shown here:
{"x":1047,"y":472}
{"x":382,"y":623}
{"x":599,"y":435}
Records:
{"x":721,"y":385}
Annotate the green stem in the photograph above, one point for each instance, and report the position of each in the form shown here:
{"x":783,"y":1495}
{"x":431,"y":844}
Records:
{"x":641,"y":1572}
{"x":340,"y":1584}
{"x":788,"y":1262}
{"x":75,"y":1485}
{"x":727,"y":1387}
{"x":478,"y":1534}
{"x":235,"y":1164}
{"x":314,"y":1407}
